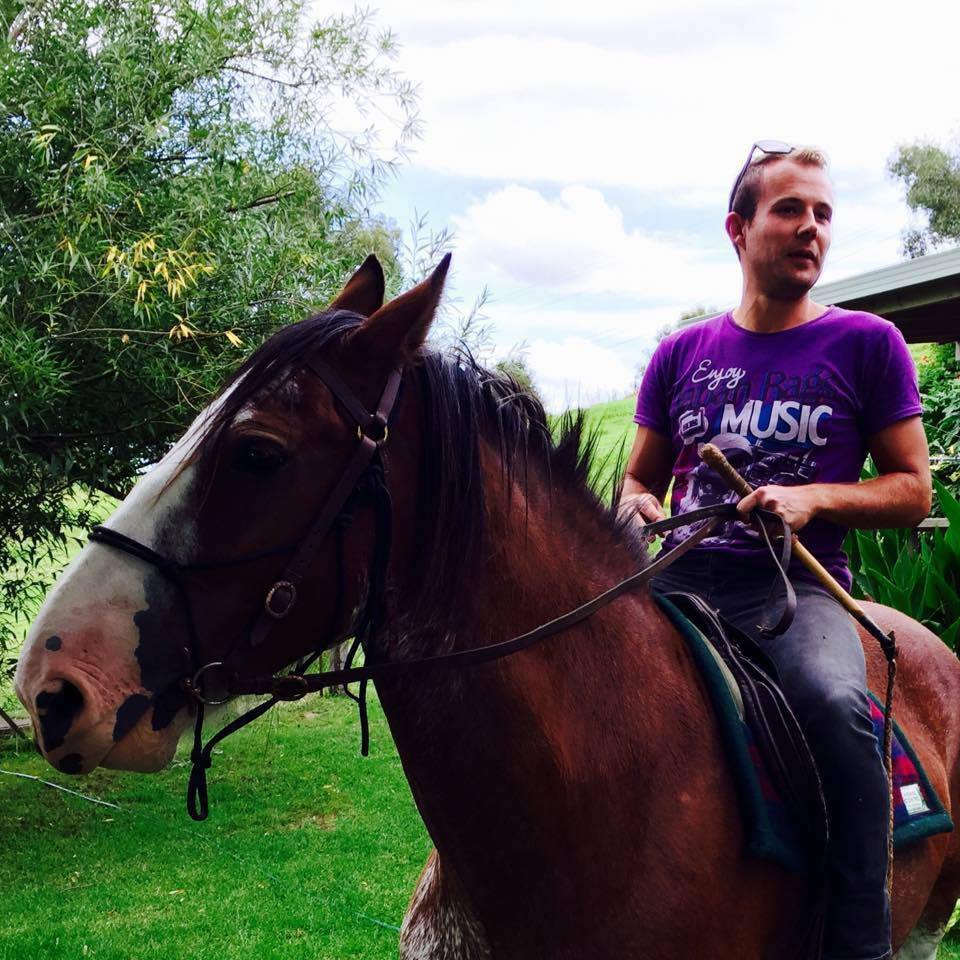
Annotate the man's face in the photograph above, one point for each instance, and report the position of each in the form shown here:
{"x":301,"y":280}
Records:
{"x":783,"y":248}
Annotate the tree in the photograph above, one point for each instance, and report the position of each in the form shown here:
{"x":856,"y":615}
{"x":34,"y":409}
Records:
{"x":173,"y":188}
{"x":698,"y":311}
{"x":516,"y":366}
{"x":931,"y":177}
{"x":939,"y":377}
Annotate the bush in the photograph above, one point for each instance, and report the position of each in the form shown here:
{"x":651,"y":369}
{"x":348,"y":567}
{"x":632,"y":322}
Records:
{"x":924,"y":583}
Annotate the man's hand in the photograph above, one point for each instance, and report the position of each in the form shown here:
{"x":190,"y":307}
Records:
{"x":796,"y":505}
{"x":641,"y":508}
{"x":648,"y":470}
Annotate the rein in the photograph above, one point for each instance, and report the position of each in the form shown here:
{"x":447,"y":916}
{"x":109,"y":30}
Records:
{"x":365,"y":473}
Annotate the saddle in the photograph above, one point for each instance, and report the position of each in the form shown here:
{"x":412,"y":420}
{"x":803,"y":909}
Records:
{"x":774,"y":729}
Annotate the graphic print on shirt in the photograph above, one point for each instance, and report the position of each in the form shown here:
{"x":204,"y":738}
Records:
{"x":770,"y":435}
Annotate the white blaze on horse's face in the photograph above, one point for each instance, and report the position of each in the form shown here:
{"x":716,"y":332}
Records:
{"x":109,"y":638}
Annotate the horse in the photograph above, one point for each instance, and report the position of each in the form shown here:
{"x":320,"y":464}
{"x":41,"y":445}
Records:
{"x":576,"y":793}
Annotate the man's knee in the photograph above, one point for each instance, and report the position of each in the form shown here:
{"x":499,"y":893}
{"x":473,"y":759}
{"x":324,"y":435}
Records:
{"x":835,"y":717}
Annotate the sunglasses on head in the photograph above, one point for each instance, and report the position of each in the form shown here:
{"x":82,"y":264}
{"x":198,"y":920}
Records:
{"x":764,"y":146}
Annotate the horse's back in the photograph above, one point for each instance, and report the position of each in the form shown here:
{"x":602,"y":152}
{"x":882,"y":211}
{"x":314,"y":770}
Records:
{"x":926,"y":694}
{"x":928,"y":680}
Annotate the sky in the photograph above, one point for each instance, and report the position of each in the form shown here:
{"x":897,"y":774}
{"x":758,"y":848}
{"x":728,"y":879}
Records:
{"x":581,"y":154}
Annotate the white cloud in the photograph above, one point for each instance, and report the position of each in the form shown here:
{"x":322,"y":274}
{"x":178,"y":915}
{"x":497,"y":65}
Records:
{"x":578,"y":243}
{"x":577,"y":372}
{"x":670,"y":99}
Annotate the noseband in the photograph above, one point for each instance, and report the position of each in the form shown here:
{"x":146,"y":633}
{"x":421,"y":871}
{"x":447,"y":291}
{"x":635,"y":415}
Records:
{"x":365,"y":469}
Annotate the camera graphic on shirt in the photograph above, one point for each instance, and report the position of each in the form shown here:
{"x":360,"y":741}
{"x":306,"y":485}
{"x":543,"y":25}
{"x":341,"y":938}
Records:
{"x":693,"y":425}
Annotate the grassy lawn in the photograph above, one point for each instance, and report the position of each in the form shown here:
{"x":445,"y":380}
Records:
{"x":614,"y":425}
{"x":310,"y":851}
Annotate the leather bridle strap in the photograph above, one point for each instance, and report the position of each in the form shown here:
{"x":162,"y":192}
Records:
{"x":294,"y":687}
{"x":372,"y":429}
{"x":375,"y":424}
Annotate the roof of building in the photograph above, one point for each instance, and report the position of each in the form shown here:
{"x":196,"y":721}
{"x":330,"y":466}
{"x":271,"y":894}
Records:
{"x":921,"y":296}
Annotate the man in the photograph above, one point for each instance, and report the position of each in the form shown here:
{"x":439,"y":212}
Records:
{"x":797,"y":393}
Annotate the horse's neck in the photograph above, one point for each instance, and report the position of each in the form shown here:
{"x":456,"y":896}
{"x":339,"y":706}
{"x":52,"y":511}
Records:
{"x":503,"y":748}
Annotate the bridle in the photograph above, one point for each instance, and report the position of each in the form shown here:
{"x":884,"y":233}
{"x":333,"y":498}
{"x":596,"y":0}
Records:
{"x":365,"y":473}
{"x":365,"y":468}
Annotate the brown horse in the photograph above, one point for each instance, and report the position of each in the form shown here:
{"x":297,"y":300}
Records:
{"x":576,"y":792}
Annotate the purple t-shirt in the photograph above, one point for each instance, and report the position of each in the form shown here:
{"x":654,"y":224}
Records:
{"x":792,"y":407}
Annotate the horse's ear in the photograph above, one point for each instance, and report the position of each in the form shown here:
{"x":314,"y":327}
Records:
{"x":398,"y":329}
{"x":363,"y":292}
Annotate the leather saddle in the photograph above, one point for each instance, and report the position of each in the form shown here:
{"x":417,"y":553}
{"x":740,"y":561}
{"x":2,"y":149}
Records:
{"x":776,"y":730}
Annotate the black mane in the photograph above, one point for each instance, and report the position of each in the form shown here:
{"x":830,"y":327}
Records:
{"x":461,"y":401}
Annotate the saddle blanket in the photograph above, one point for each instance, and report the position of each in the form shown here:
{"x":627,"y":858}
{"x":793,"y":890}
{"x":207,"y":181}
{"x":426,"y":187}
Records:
{"x":769,"y":831}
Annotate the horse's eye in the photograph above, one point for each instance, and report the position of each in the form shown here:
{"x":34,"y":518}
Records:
{"x":258,"y":456}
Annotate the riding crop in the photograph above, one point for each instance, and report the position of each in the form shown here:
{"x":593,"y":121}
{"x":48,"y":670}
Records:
{"x":714,"y":458}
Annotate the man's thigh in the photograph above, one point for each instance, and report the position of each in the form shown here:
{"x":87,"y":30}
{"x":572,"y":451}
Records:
{"x":819,"y":659}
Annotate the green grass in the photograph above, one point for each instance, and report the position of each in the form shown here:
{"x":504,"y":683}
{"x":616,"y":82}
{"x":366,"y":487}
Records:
{"x":614,"y":427}
{"x":308,"y":852}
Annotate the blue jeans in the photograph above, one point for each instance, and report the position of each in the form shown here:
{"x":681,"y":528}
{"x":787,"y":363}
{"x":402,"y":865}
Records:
{"x":822,"y":672}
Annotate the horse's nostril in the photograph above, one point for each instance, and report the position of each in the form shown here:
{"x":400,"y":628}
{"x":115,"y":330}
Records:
{"x":56,"y":709}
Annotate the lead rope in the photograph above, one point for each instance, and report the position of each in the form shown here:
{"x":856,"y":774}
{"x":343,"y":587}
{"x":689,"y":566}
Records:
{"x":200,"y":756}
{"x":890,"y":651}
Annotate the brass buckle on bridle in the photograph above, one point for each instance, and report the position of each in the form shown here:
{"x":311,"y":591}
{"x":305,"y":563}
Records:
{"x":192,"y":685}
{"x":294,"y":680}
{"x":376,"y":429}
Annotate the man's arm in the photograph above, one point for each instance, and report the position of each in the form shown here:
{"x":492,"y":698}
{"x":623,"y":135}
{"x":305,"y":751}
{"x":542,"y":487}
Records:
{"x":899,"y":497}
{"x":647,"y":476}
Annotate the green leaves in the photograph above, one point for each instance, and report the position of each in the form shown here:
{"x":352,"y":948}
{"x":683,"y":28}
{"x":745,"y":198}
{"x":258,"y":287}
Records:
{"x":172,"y":190}
{"x":924,"y":583}
{"x":931,"y":178}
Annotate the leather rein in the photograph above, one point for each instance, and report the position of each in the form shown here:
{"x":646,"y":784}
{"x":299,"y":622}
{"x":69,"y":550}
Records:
{"x":364,"y":476}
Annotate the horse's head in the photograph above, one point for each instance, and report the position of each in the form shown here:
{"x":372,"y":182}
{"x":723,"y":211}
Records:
{"x":196,"y":548}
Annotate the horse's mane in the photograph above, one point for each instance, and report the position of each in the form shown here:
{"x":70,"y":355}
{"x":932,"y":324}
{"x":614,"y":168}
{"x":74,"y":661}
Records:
{"x":461,"y":402}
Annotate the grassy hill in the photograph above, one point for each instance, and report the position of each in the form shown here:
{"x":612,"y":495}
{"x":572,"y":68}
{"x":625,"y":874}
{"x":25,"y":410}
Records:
{"x":613,"y":424}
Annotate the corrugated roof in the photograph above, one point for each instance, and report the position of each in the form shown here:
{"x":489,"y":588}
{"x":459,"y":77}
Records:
{"x":921,"y":296}
{"x":933,"y":266}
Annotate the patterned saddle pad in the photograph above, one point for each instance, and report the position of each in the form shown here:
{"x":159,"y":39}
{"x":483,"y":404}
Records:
{"x":771,"y":831}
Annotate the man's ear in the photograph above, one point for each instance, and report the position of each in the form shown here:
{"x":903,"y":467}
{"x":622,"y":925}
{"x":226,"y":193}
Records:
{"x":398,"y":329}
{"x":363,"y":292}
{"x":734,"y":225}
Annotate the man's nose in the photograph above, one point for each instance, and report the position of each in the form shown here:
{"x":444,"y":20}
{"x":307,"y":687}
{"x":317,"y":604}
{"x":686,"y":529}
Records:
{"x":808,"y":226}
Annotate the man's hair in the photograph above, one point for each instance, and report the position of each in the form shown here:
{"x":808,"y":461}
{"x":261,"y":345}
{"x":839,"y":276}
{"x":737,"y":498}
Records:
{"x":748,"y":193}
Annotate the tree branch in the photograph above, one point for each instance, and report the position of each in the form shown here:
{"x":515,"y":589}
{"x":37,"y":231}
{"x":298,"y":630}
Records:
{"x":9,"y":721}
{"x":260,"y":76}
{"x":111,"y":491}
{"x":85,"y":435}
{"x":262,"y":201}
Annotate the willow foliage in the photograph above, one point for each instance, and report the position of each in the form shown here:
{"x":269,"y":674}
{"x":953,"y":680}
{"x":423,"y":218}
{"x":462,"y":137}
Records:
{"x":176,"y":181}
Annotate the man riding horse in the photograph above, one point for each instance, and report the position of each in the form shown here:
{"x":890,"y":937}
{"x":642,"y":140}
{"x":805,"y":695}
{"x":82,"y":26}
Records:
{"x":802,"y":391}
